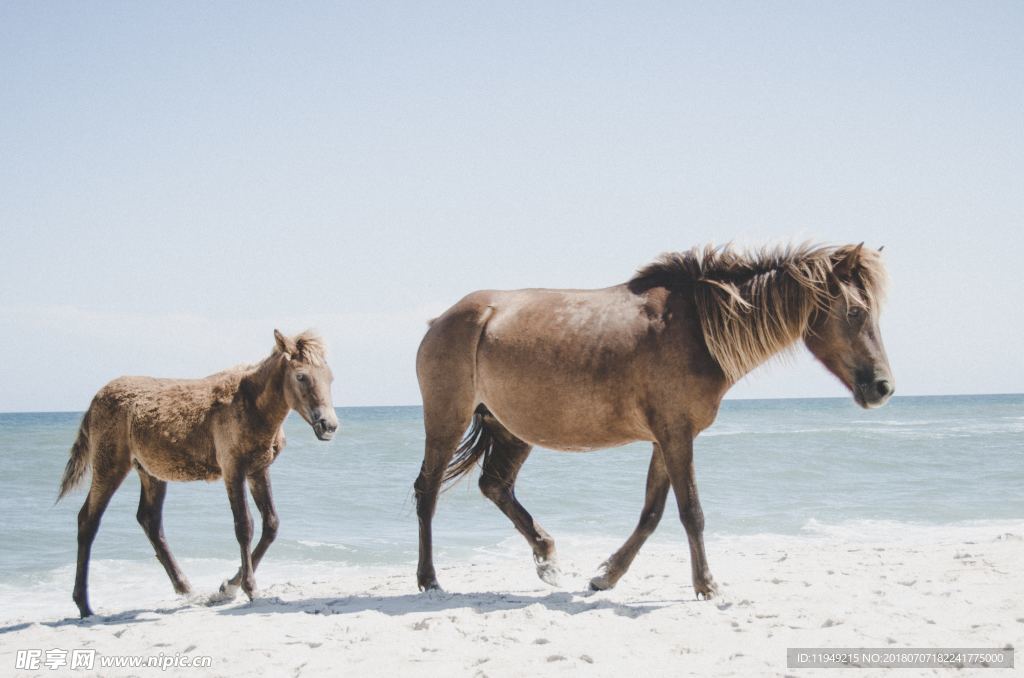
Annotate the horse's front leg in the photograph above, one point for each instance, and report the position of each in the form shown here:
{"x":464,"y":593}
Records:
{"x":259,"y":485}
{"x":234,"y":480}
{"x":654,"y":505}
{"x":677,"y":454}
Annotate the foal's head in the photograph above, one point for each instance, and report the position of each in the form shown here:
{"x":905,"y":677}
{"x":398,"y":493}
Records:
{"x":844,"y":335}
{"x":307,"y":381}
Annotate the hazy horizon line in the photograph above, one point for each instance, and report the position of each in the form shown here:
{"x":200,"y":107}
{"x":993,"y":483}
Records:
{"x":740,"y":398}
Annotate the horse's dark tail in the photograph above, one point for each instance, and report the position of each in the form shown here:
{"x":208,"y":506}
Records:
{"x":478,"y":442}
{"x":78,"y":464}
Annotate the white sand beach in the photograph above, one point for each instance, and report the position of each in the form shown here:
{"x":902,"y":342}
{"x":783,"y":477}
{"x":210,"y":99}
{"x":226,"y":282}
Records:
{"x":959,"y":586}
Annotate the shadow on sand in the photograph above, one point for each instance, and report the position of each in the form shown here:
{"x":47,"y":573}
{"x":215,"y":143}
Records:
{"x":126,"y":617}
{"x":560,"y":601}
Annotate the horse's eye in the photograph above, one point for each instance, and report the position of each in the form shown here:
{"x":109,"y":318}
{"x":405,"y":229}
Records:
{"x":300,"y":376}
{"x":854,"y":312}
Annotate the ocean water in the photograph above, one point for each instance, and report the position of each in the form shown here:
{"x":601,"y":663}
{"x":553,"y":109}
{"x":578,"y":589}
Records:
{"x":792,"y":467}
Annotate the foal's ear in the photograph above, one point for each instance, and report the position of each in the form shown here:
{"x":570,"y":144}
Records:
{"x":283,"y":344}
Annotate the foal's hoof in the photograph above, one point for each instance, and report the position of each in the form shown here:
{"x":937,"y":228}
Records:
{"x":706,"y":590}
{"x":548,"y":571}
{"x":82,"y":603}
{"x":249,"y":588}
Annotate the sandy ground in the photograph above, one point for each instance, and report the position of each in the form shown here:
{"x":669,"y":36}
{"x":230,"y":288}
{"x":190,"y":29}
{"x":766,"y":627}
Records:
{"x":496,"y":618}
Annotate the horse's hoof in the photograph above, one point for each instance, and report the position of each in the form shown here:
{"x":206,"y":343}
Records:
{"x":229,"y":590}
{"x":431,"y":585}
{"x":86,"y":613}
{"x":435,"y":592}
{"x":548,"y":571}
{"x":601,"y":581}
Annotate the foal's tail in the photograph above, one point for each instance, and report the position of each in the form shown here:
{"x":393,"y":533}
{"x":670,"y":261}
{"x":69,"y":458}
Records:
{"x":78,"y":464}
{"x":478,"y":442}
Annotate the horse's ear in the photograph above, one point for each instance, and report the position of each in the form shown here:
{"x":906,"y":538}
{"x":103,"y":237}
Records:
{"x":848,"y":262}
{"x":283,"y":344}
{"x":881,"y":248}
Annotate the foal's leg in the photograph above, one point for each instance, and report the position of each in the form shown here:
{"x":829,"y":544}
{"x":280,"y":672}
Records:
{"x":259,"y":485}
{"x":107,"y":476}
{"x":150,"y":517}
{"x":677,"y":453}
{"x":497,"y":482}
{"x":654,"y":505}
{"x":234,"y":480}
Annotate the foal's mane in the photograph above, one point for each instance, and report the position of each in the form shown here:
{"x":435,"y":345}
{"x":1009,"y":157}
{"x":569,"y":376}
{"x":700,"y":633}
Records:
{"x":307,"y":347}
{"x":755,"y":304}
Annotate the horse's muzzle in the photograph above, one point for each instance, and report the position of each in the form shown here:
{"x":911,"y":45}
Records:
{"x":874,"y":393}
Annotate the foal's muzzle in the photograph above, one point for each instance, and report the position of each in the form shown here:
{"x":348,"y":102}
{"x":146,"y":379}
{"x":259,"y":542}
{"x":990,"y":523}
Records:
{"x":324,"y":426}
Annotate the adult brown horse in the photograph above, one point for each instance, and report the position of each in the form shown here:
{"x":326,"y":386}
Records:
{"x":649,"y":359}
{"x":198,"y":429}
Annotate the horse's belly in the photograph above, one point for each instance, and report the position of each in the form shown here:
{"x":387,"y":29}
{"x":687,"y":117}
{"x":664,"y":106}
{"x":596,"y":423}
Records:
{"x":569,"y":425}
{"x":559,"y":368}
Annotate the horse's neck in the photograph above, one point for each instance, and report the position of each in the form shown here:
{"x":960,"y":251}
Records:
{"x":266,"y":384}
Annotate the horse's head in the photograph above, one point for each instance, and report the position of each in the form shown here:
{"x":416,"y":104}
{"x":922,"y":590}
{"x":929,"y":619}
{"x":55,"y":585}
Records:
{"x":844,"y":335}
{"x":307,"y":381}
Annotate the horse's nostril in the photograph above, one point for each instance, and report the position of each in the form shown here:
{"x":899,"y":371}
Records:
{"x":883,"y":387}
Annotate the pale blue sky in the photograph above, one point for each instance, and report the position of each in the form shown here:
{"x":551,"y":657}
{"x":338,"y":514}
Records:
{"x":177,"y":179}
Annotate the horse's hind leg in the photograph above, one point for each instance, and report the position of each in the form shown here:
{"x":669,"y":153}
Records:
{"x":498,"y":481}
{"x":442,"y":440}
{"x":259,"y":485}
{"x":654,"y":506}
{"x":150,"y":517}
{"x":108,"y":471}
{"x":445,"y":368}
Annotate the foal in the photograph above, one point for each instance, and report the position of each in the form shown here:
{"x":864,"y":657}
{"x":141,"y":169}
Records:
{"x":227,"y":424}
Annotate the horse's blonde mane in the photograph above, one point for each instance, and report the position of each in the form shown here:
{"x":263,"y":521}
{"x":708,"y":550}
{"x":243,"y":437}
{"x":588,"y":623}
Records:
{"x":756,"y":304}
